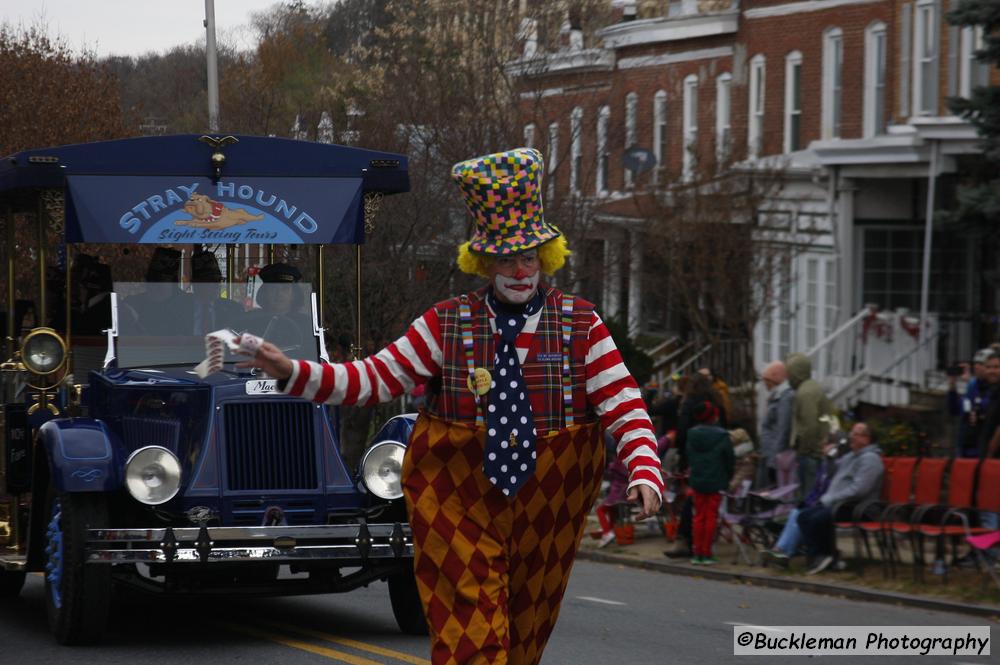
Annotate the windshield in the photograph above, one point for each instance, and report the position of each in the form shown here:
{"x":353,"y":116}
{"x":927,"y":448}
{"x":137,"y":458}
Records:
{"x":161,"y":324}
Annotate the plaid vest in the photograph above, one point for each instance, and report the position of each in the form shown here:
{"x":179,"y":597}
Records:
{"x":451,"y":398}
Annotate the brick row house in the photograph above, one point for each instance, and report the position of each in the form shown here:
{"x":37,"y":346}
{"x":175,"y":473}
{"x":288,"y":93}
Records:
{"x":843,"y":100}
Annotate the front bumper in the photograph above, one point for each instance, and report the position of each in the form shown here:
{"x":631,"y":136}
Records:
{"x":275,"y":544}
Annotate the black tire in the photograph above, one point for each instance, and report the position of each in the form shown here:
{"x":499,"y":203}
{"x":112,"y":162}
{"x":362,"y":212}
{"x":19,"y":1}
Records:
{"x":406,"y":605}
{"x":77,"y":596}
{"x":11,"y":582}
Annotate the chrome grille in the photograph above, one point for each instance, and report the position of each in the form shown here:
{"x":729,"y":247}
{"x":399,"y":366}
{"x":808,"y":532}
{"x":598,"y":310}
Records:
{"x":270,"y":446}
{"x":138,"y":432}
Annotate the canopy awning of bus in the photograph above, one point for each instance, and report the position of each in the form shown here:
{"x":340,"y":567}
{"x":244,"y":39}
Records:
{"x":163,"y":189}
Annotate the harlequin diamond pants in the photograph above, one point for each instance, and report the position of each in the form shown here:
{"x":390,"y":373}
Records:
{"x":492,"y":570}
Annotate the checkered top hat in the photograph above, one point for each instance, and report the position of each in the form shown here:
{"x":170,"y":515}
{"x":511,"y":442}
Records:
{"x":503,"y":191}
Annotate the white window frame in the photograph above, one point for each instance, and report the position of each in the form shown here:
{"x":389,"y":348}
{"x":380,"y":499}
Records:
{"x":553,"y":158}
{"x":755,"y":110}
{"x":659,"y":133}
{"x":876,"y":60}
{"x":601,"y":184}
{"x":792,"y":110}
{"x":631,"y":137}
{"x":723,"y":117}
{"x":972,"y":72}
{"x":690,"y":125}
{"x":926,"y":60}
{"x":833,"y":83}
{"x":529,"y":135}
{"x":576,"y":149}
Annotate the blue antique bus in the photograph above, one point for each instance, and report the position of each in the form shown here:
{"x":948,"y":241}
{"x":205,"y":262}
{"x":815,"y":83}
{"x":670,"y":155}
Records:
{"x":119,"y":464}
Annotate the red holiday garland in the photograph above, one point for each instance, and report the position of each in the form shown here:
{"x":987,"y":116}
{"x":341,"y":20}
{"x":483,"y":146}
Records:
{"x":876,"y":324}
{"x":911,"y":325}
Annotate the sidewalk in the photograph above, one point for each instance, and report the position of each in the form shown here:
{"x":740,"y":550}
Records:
{"x":964,"y":593}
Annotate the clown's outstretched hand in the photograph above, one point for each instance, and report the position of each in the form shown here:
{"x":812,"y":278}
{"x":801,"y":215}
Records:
{"x":271,"y":360}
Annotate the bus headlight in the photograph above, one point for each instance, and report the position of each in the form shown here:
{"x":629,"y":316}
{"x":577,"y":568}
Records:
{"x":43,"y":351}
{"x":382,"y":469}
{"x":152,"y":475}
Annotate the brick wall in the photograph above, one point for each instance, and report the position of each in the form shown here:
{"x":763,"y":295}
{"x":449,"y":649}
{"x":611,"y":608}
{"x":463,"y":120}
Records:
{"x":774,"y":37}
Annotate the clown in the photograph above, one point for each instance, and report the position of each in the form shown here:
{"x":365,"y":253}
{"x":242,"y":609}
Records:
{"x":505,"y":463}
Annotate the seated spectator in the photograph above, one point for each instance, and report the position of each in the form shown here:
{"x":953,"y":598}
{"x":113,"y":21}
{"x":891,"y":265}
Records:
{"x":790,"y":540}
{"x":746,"y":457}
{"x":858,"y":477}
{"x":711,"y":459}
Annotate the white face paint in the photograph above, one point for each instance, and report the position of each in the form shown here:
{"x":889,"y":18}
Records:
{"x":516,"y":291}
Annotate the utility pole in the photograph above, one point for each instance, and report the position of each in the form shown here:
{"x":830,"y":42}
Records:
{"x":212,"y":56}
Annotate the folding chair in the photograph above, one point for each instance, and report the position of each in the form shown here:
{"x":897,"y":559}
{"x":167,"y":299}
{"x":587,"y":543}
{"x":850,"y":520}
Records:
{"x":866,"y":517}
{"x":948,"y":520}
{"x":897,"y":517}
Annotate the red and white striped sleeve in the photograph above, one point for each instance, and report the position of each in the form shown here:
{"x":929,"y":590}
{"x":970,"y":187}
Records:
{"x":615,"y":397}
{"x":412,"y":359}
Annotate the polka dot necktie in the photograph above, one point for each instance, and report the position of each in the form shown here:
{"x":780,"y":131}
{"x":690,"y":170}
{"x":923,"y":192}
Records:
{"x":510,"y":427}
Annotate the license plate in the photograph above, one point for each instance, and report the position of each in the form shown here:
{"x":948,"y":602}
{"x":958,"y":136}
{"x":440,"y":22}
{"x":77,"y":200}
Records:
{"x":263,"y":387}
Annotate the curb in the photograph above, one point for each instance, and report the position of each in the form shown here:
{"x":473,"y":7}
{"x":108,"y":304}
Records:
{"x":853,"y":593}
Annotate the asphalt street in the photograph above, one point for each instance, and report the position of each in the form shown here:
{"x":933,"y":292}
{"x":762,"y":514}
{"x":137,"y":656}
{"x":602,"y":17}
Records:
{"x":611,"y":615}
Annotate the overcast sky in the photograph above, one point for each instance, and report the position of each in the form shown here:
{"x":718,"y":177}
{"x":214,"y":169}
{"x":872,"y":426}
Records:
{"x":132,"y":27}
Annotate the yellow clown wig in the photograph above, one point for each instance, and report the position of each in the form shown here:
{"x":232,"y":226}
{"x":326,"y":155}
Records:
{"x":551,"y":255}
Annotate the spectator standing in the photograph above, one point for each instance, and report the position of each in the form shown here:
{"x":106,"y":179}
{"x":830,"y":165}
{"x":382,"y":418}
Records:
{"x":776,"y":428}
{"x":722,"y":390}
{"x":699,"y":390}
{"x":858,"y":478}
{"x":988,"y":439}
{"x":972,"y":406}
{"x":617,"y":474}
{"x":711,"y":458}
{"x":809,"y":433}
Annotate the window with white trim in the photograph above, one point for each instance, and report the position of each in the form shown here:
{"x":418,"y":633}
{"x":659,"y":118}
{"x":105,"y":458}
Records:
{"x":576,"y":149}
{"x":553,"y":158}
{"x":755,"y":124}
{"x":972,"y":71}
{"x":660,"y":134}
{"x":723,"y":115}
{"x":874,"y":92}
{"x":603,"y":158}
{"x":529,"y":135}
{"x":925,"y":58}
{"x":793,"y":101}
{"x":905,"y":51}
{"x":833,"y":82}
{"x":690,"y":125}
{"x":631,"y":110}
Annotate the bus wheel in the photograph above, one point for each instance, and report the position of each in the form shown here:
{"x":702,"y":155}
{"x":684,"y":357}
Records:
{"x":406,"y":605}
{"x":78,"y":596}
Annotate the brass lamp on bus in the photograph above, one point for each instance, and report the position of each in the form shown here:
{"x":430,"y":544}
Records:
{"x":42,"y":359}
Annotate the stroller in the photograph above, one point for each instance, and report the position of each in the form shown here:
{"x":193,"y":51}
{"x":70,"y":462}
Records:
{"x":752,"y":520}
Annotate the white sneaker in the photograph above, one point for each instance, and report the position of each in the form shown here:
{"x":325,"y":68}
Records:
{"x":821,"y":565}
{"x":606,"y":539}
